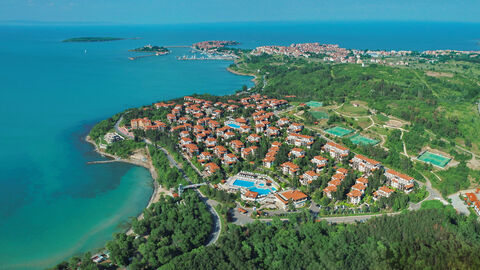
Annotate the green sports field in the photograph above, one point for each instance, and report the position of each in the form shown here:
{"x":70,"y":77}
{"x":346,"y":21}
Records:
{"x":338,"y":131}
{"x":314,"y":104}
{"x":359,"y":139}
{"x":319,"y":115}
{"x":435,"y":159}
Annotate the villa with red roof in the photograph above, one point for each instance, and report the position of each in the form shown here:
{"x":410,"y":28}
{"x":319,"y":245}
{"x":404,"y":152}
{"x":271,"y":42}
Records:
{"x":210,"y":142}
{"x":259,"y":128}
{"x":290,"y":168}
{"x":272,"y":131}
{"x":400,"y":181}
{"x":228,"y":135}
{"x":244,"y":129}
{"x":253,"y":138}
{"x":296,"y":197}
{"x":300,"y":140}
{"x":354,"y":196}
{"x":382,"y":192}
{"x":191,"y":149}
{"x":296,"y":153}
{"x":229,"y":159}
{"x":140,"y":123}
{"x":308,"y":177}
{"x":295,"y":127}
{"x":362,"y":180}
{"x":364,"y":164}
{"x":329,"y":190}
{"x":204,"y":157}
{"x":337,"y":151}
{"x":248,"y":151}
{"x":220,"y":151}
{"x":320,"y":162}
{"x":249,"y":196}
{"x":237,"y":145}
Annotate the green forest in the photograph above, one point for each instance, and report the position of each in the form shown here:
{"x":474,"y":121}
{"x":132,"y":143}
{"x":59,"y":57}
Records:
{"x":174,"y":231}
{"x":444,"y":105}
{"x":435,"y":238}
{"x":170,"y":227}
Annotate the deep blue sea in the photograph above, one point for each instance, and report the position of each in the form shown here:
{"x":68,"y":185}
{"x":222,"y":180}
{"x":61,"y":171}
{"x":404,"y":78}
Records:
{"x":52,"y":204}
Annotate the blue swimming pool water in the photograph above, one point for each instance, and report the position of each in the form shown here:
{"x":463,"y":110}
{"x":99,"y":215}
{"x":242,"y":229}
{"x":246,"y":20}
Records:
{"x":262,"y":191}
{"x":243,"y":183}
{"x":251,"y":186}
{"x":232,"y":125}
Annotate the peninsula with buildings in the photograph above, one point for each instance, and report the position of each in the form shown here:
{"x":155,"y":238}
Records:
{"x":361,"y":138}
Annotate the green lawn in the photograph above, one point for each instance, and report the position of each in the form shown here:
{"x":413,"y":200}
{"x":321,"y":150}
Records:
{"x":351,"y":110}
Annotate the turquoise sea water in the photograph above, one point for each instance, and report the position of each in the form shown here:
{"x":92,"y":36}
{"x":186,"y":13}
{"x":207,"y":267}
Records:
{"x":53,"y":205}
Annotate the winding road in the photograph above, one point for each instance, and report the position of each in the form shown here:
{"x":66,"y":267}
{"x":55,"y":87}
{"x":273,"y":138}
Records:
{"x":211,"y":204}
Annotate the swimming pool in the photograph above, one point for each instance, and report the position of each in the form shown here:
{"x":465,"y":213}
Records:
{"x":251,"y":186}
{"x":262,"y":191}
{"x":243,"y":183}
{"x":233,"y":125}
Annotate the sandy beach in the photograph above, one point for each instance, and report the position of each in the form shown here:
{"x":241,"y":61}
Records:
{"x":254,"y":80}
{"x":137,"y":159}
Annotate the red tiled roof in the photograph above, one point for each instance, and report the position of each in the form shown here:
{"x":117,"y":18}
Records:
{"x":386,"y":189}
{"x":338,"y":146}
{"x":251,"y":194}
{"x":294,"y":195}
{"x":369,"y":160}
{"x":354,"y":193}
{"x":401,"y":175}
{"x":291,"y":165}
{"x":359,"y":186}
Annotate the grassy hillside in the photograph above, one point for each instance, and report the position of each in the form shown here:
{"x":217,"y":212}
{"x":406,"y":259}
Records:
{"x":443,"y":104}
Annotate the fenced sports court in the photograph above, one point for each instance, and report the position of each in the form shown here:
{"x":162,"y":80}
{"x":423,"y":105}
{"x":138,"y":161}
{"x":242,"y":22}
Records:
{"x":359,"y":139}
{"x":338,"y":131}
{"x":319,"y":115}
{"x":314,"y":104}
{"x":435,"y":159}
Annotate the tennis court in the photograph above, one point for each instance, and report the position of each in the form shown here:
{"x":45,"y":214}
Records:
{"x":319,"y":115}
{"x":338,"y":131}
{"x":359,"y":139}
{"x":314,"y":104}
{"x":435,"y":159}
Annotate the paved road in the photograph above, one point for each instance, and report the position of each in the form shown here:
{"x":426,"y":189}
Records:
{"x":433,"y":194}
{"x":119,"y":131}
{"x":342,"y":219}
{"x":459,"y":204}
{"x":211,"y":204}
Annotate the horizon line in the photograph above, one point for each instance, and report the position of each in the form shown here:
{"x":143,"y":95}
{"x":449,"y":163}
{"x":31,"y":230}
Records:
{"x":35,"y":22}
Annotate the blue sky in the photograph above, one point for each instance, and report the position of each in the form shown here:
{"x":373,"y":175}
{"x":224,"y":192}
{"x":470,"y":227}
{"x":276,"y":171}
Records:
{"x":198,"y":11}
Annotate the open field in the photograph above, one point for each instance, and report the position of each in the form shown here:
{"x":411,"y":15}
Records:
{"x":352,"y":110}
{"x":319,"y":115}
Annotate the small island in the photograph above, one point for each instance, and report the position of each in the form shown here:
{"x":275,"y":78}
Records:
{"x":152,"y":49}
{"x":92,"y":39}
